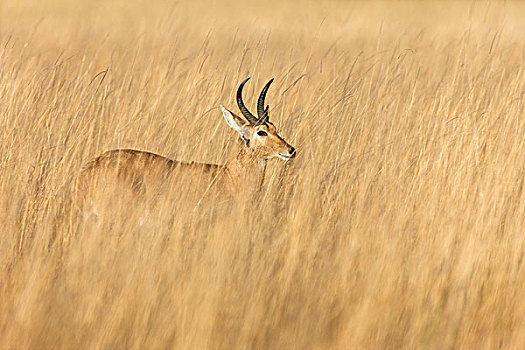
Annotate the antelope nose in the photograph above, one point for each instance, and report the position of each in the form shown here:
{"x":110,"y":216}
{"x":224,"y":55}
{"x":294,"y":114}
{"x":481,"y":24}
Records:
{"x":292,"y":152}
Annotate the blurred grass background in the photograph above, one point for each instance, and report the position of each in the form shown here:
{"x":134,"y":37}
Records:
{"x":399,"y":224}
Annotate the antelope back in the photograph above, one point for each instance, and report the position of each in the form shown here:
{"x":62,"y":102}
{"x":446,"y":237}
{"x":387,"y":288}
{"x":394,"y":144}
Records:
{"x":140,"y":176}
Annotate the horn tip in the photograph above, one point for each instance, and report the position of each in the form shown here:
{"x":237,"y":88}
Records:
{"x":243,"y":82}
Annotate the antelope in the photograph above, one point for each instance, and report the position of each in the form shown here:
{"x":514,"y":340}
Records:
{"x":139,"y":171}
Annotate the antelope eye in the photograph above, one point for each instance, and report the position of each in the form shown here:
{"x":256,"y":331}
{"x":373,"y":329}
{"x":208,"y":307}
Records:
{"x":262,"y":133}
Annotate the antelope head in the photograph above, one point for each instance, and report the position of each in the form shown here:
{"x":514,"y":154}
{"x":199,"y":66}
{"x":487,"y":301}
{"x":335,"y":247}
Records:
{"x":258,"y":133}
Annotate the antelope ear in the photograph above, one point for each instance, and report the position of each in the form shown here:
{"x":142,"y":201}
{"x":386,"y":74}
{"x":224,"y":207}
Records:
{"x":237,"y":124}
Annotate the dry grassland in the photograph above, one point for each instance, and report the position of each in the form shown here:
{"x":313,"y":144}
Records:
{"x":400,"y":224}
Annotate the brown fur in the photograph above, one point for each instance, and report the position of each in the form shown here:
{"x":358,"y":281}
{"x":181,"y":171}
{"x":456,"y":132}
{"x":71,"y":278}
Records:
{"x":137,"y":171}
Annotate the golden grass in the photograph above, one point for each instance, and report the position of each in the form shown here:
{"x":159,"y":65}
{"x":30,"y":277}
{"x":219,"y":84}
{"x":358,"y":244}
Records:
{"x":399,"y":224}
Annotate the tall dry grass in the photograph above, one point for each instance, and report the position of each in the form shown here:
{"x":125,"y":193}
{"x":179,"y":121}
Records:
{"x":399,"y":225}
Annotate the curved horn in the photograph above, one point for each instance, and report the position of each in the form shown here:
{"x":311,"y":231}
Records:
{"x":245,"y":112}
{"x":264,"y":119}
{"x":262,"y":112}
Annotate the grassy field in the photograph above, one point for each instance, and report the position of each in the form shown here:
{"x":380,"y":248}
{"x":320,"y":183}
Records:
{"x":400,"y":224}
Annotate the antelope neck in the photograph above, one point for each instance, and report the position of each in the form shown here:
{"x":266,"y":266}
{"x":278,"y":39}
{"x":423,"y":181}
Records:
{"x":246,"y":168}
